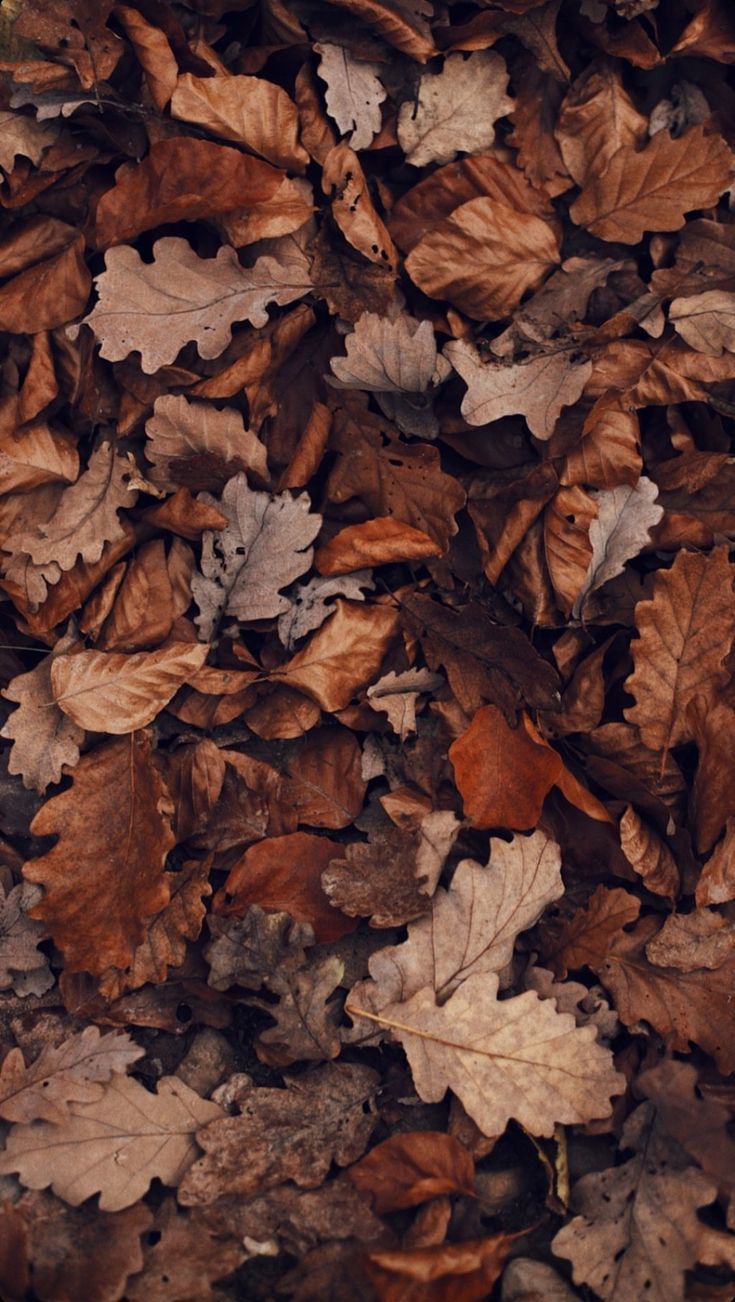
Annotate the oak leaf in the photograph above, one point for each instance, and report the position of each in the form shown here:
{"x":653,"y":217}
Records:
{"x":115,"y":693}
{"x":20,"y":959}
{"x":583,"y":940}
{"x":706,"y":321}
{"x":105,"y":873}
{"x":136,"y":297}
{"x":483,"y":257}
{"x":44,"y":739}
{"x":389,"y":355}
{"x":537,"y":388}
{"x":247,"y":110}
{"x":619,"y":531}
{"x":687,"y":941}
{"x":354,"y":92}
{"x":253,"y":951}
{"x":180,"y":433}
{"x":240,"y":573}
{"x":651,"y":189}
{"x":397,"y":694}
{"x":685,"y":633}
{"x":23,"y":135}
{"x":113,"y":1146}
{"x":342,"y":656}
{"x":72,"y":1072}
{"x":179,"y":1263}
{"x":444,"y":121}
{"x":311,"y":604}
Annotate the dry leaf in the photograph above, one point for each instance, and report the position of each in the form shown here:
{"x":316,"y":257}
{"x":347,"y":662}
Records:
{"x":706,"y":321}
{"x":354,"y":92}
{"x":44,"y":739}
{"x":649,"y":855}
{"x":72,"y":1072}
{"x":309,"y":608}
{"x":36,"y":455}
{"x":537,"y":389}
{"x":180,"y":433}
{"x":86,"y":516}
{"x":343,"y":655}
{"x":248,"y":110}
{"x":444,"y":119}
{"x":619,"y":531}
{"x":115,"y":693}
{"x":397,"y":695}
{"x":20,"y":959}
{"x":376,"y":542}
{"x":406,"y":1170}
{"x":113,"y":1146}
{"x":583,"y":940}
{"x":597,"y":118}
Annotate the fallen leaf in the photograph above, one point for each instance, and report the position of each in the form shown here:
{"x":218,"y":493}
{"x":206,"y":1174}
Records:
{"x":114,"y":1146}
{"x":443,"y":120}
{"x":311,"y":605}
{"x":20,"y":937}
{"x":397,"y":694}
{"x":343,"y":655}
{"x":619,"y":531}
{"x":376,"y":542}
{"x":583,"y":940}
{"x":466,"y":1270}
{"x":597,"y":117}
{"x":86,"y":516}
{"x":36,"y":455}
{"x":114,"y":693}
{"x":689,"y":941}
{"x":537,"y":389}
{"x":44,"y":739}
{"x":705,"y":321}
{"x":649,"y":855}
{"x":354,"y":92}
{"x":406,"y":1170}
{"x":72,"y":1072}
{"x":247,"y":110}
{"x":180,"y":432}
{"x":322,"y":779}
{"x":178,"y":1264}
{"x":23,"y":135}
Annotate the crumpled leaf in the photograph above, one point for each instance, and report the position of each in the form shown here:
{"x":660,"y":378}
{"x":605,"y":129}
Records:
{"x":180,"y":432}
{"x":537,"y":389}
{"x":706,"y":321}
{"x":239,"y":576}
{"x":389,"y":355}
{"x":135,"y":297}
{"x":409,"y":1169}
{"x":115,"y":693}
{"x":618,"y":532}
{"x":44,"y":739}
{"x":86,"y":516}
{"x":444,"y":118}
{"x":71,"y":1072}
{"x":113,"y":1146}
{"x":397,"y":694}
{"x":354,"y":92}
{"x":468,"y":1269}
{"x":309,"y":608}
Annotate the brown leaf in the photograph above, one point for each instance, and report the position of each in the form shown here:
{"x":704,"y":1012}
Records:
{"x":153,"y":52}
{"x":306,"y":1017}
{"x":584,"y":939}
{"x":20,"y":959}
{"x":86,"y":516}
{"x":456,"y":1272}
{"x":689,"y":941}
{"x":597,"y":118}
{"x":44,"y":739}
{"x":181,"y":1261}
{"x":376,"y":542}
{"x":248,"y":110}
{"x":284,"y":873}
{"x":71,"y":1072}
{"x":653,"y":188}
{"x":180,"y":432}
{"x":706,"y":321}
{"x":353,"y":209}
{"x":397,"y":694}
{"x":483,"y":258}
{"x":343,"y":655}
{"x":48,"y":294}
{"x":255,"y":950}
{"x":105,"y":873}
{"x":289,"y":1134}
{"x":36,"y":455}
{"x":409,"y":1169}
{"x":443,"y":118}
{"x":168,"y":186}
{"x":537,"y":388}
{"x":115,"y":693}
{"x":716,"y":884}
{"x":684,"y":635}
{"x":649,"y":855}
{"x":144,"y":606}
{"x":322,"y":780}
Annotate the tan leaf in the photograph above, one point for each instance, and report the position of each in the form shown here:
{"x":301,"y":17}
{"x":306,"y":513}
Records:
{"x":321,"y":1116}
{"x":443,"y":120}
{"x":687,"y":941}
{"x":343,"y":655}
{"x":265,"y":546}
{"x":180,"y":432}
{"x":354,"y":93}
{"x":649,"y":855}
{"x":249,"y":110}
{"x":620,"y":529}
{"x":472,"y":1267}
{"x":568,"y":519}
{"x":135,"y":297}
{"x":114,"y":1146}
{"x":311,"y":604}
{"x":86,"y":516}
{"x":20,"y":937}
{"x":36,"y":455}
{"x":652,"y":189}
{"x":513,"y":1058}
{"x":537,"y":389}
{"x":397,"y":695}
{"x":180,"y":1262}
{"x":597,"y":118}
{"x":528,"y":1280}
{"x":353,"y":209}
{"x":584,"y":939}
{"x":73,"y":1072}
{"x":706,"y":321}
{"x":44,"y":739}
{"x":685,"y":633}
{"x":306,"y":1016}
{"x":637,"y":1230}
{"x":716,"y":883}
{"x":376,"y":542}
{"x":609,"y":452}
{"x":23,"y":135}
{"x":111,"y":692}
{"x":389,"y":355}
{"x":105,"y":873}
{"x":483,"y":258}
{"x":153,"y":52}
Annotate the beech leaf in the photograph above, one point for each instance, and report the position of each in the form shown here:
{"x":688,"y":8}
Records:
{"x":110,"y":692}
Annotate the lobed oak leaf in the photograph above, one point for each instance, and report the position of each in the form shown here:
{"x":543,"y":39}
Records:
{"x":135,"y":297}
{"x":179,"y":433}
{"x":412,"y":1168}
{"x":483,"y":257}
{"x":443,"y":120}
{"x":167,"y":187}
{"x":20,"y":959}
{"x":23,"y":135}
{"x":306,"y":1016}
{"x":389,"y":355}
{"x":620,"y":529}
{"x":105,"y":873}
{"x":513,"y":1058}
{"x":247,"y":110}
{"x":115,"y":693}
{"x":706,"y":321}
{"x":537,"y":389}
{"x":464,"y":1271}
{"x":289,"y":1134}
{"x":239,"y":575}
{"x":685,"y":633}
{"x":342,"y":656}
{"x":72,"y":1072}
{"x":114,"y":1145}
{"x":651,"y":189}
{"x":354,"y":92}
{"x":397,"y":694}
{"x":44,"y":739}
{"x":177,"y":1263}
{"x":697,"y":1122}
{"x":252,"y":950}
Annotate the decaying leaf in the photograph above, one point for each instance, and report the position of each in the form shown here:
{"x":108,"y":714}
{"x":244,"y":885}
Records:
{"x":354,"y":92}
{"x":444,"y":119}
{"x":44,"y":739}
{"x":537,"y":389}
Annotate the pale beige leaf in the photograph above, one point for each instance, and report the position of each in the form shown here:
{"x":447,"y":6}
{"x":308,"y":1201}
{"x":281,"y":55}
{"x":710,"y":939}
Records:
{"x":115,"y":693}
{"x":690,"y":941}
{"x":483,"y":258}
{"x":86,"y":516}
{"x":44,"y":739}
{"x":309,"y":609}
{"x":512,"y":1058}
{"x":249,"y":110}
{"x":397,"y":694}
{"x":619,"y":531}
{"x":354,"y":93}
{"x":266,"y":545}
{"x":140,"y":304}
{"x":652,"y":189}
{"x":114,"y":1146}
{"x":685,"y":633}
{"x":387,"y":355}
{"x":706,"y":321}
{"x":456,"y":109}
{"x":20,"y":134}
{"x":36,"y":455}
{"x":73,"y":1072}
{"x":180,"y":430}
{"x":537,"y":389}
{"x":648,"y":855}
{"x":597,"y":118}
{"x":343,"y":655}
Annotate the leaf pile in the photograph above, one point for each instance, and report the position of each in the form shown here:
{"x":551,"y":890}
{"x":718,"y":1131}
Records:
{"x":367,"y":810}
